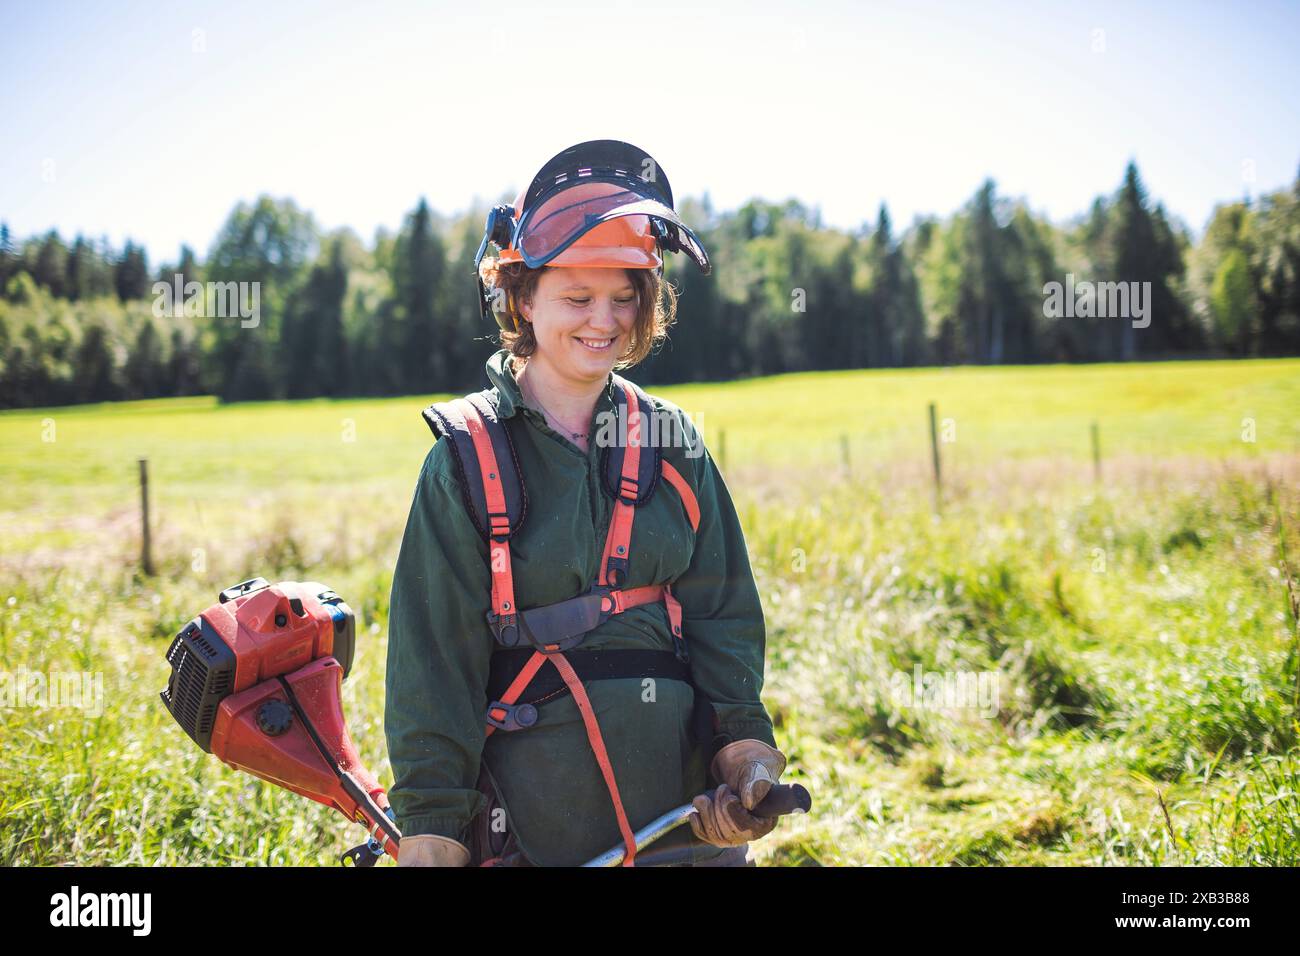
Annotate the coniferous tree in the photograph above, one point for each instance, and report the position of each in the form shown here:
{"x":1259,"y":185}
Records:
{"x":419,"y":267}
{"x":51,"y":266}
{"x":131,"y":276}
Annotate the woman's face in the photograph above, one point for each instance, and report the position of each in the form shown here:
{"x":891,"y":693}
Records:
{"x":582,"y":320}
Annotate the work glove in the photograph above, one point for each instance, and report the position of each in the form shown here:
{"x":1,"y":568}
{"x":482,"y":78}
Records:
{"x":427,"y":849}
{"x":722,"y":821}
{"x":749,"y":768}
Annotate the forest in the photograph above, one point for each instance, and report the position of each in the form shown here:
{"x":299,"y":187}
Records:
{"x":80,"y":320}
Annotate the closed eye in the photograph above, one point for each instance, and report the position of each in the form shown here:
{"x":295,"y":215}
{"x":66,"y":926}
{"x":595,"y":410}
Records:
{"x":583,"y":301}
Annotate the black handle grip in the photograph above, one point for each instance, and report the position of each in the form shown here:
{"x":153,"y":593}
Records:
{"x":782,"y":799}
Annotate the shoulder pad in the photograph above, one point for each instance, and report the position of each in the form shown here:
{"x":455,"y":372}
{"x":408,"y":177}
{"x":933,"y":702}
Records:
{"x":461,"y":420}
{"x":611,"y":467}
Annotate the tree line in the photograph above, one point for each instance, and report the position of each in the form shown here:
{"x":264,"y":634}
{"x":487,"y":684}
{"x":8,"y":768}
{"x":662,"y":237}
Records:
{"x":80,"y":322}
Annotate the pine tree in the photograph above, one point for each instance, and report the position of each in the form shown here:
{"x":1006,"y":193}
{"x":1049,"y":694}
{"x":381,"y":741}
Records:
{"x":131,"y":276}
{"x":419,"y":267}
{"x":51,"y":267}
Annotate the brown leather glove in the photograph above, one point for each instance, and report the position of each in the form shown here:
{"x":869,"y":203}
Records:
{"x":722,"y":821}
{"x":749,"y":768}
{"x":428,"y":849}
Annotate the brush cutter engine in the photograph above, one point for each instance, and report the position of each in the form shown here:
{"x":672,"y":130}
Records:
{"x":256,"y":681}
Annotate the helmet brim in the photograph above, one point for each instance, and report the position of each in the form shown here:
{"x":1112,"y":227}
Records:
{"x":560,"y":219}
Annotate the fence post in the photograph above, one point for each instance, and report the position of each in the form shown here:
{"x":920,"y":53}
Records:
{"x":722,"y":449}
{"x":934,"y":455}
{"x":146,"y":555}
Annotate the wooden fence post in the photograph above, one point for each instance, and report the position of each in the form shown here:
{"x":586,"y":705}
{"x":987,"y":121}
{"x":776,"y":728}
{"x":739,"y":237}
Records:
{"x":934,"y":455}
{"x":146,"y":555}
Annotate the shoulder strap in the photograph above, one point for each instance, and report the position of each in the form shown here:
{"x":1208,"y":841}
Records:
{"x":651,"y":463}
{"x":638,"y":430}
{"x":486,"y":463}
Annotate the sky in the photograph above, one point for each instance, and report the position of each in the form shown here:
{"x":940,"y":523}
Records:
{"x":152,"y":121}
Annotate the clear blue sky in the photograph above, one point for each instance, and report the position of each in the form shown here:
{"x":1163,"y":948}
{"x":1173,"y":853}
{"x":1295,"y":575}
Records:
{"x":121,"y":120}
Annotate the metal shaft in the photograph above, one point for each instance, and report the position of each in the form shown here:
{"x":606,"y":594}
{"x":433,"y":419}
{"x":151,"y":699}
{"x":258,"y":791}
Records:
{"x":646,"y":835}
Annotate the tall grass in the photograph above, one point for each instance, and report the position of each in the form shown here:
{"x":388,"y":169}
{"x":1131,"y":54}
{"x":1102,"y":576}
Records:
{"x":1139,"y":635}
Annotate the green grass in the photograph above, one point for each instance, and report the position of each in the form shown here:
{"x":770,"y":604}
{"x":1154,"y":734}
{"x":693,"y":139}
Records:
{"x":1138,"y":631}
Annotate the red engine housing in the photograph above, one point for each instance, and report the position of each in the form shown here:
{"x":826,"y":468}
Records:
{"x":257,"y":681}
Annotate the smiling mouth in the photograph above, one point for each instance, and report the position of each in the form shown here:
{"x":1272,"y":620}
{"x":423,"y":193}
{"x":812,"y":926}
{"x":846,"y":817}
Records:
{"x":595,"y":345}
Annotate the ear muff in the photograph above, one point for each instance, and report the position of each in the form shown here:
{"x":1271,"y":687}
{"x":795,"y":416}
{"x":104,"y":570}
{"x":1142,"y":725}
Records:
{"x":515,"y":317}
{"x":510,"y":320}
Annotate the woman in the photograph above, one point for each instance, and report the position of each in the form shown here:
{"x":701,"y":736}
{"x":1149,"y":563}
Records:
{"x":578,"y":293}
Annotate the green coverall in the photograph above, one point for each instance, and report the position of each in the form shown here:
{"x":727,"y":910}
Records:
{"x":439,"y":644}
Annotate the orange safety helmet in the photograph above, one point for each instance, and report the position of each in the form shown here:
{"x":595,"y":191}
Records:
{"x":603,"y":204}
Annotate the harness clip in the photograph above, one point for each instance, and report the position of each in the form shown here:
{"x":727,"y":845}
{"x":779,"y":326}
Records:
{"x":514,"y":716}
{"x":505,"y":628}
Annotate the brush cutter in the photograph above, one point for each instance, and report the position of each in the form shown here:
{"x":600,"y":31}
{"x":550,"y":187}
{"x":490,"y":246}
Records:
{"x":256,"y":680}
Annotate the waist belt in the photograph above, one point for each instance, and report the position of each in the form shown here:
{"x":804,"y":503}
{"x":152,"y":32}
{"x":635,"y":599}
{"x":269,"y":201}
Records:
{"x":548,"y":683}
{"x":588,"y":665}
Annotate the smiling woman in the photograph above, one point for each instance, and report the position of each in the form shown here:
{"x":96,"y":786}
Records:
{"x":630,"y":578}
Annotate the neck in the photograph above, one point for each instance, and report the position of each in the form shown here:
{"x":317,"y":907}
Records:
{"x":571,"y":400}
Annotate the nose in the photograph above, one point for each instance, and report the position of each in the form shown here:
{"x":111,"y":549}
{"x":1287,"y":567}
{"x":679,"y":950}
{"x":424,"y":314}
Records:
{"x":602,"y":316}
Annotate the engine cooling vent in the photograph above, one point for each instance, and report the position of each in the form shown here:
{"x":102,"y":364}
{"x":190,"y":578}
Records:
{"x":203,"y":672}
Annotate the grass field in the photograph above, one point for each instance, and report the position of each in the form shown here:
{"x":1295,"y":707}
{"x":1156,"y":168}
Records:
{"x":1133,"y":639}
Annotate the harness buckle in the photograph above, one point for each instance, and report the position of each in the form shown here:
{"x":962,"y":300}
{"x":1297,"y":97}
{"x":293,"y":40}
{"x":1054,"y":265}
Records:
{"x":498,"y":526}
{"x":616,"y":571}
{"x":505,"y":628}
{"x":513,"y":716}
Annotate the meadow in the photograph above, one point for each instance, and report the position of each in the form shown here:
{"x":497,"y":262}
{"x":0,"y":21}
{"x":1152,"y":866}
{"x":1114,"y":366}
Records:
{"x":1132,"y":633}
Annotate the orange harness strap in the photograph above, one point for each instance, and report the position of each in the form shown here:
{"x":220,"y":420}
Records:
{"x":503,"y":583}
{"x":517,"y":687}
{"x":614,"y":562}
{"x":598,"y":748}
{"x":689,"y":502}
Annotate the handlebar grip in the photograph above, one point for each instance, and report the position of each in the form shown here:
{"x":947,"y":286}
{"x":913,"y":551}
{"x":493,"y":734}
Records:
{"x":782,"y":799}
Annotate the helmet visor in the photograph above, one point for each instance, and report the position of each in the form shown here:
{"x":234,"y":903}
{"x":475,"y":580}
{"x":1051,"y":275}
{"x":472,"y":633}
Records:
{"x":559,"y":220}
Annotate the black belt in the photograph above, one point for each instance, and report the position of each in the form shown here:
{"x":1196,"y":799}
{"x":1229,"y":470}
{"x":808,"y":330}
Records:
{"x":589,"y":665}
{"x":601,"y":665}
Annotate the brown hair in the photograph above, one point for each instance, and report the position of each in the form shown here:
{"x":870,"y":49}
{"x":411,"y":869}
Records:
{"x":655,"y":313}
